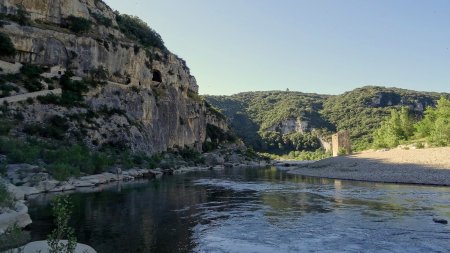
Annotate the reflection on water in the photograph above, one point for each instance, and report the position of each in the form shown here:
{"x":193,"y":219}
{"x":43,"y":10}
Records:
{"x":256,"y":210}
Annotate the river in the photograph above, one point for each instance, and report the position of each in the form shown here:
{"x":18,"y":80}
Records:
{"x":254,"y":210}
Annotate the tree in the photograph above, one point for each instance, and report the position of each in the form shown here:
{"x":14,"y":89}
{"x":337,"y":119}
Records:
{"x":436,"y":124}
{"x":398,"y":127}
{"x":61,"y":212}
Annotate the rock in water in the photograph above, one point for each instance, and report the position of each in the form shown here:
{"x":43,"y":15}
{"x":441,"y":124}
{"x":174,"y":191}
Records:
{"x":441,"y":221}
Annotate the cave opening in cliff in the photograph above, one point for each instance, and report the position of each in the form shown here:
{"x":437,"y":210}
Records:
{"x":157,"y":76}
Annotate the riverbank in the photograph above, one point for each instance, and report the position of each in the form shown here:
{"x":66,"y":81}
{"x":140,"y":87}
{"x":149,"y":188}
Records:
{"x":414,"y":166}
{"x":24,"y":181}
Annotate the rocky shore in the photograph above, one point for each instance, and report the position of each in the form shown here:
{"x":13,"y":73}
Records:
{"x":25,"y":180}
{"x":407,"y":166}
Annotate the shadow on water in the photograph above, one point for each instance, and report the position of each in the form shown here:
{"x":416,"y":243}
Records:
{"x":214,"y":211}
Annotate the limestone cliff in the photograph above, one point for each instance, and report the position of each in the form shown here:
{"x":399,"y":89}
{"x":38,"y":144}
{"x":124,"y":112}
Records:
{"x":147,"y":100}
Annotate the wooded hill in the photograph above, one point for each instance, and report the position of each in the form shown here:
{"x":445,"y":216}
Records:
{"x":285,"y":121}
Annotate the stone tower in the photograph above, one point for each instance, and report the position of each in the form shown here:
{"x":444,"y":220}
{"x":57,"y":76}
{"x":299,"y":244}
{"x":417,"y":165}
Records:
{"x":341,"y":143}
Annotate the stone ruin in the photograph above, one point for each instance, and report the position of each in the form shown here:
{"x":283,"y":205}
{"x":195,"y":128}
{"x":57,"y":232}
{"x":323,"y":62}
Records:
{"x":341,"y":143}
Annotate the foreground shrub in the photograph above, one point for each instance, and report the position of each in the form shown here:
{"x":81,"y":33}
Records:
{"x":61,"y":209}
{"x":13,"y":237}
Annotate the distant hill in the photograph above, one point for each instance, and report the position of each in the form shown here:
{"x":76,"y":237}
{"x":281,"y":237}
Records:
{"x":274,"y":121}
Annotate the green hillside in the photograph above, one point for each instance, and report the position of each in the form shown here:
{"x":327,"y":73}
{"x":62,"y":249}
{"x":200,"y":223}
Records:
{"x":254,"y":116}
{"x":251,"y":114}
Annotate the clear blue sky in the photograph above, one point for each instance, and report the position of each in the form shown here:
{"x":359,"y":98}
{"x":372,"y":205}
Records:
{"x":322,"y":46}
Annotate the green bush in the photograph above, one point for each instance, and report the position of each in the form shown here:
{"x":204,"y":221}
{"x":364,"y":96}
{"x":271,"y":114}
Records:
{"x":189,"y":154}
{"x":6,"y":46}
{"x":194,"y":96}
{"x":299,"y":155}
{"x":6,"y":89}
{"x":398,"y":127}
{"x":218,"y":135}
{"x":6,"y":126}
{"x":72,"y":91}
{"x":31,"y":77}
{"x":31,"y":71}
{"x":436,"y":124}
{"x":56,"y":128}
{"x":78,"y":24}
{"x":102,"y":19}
{"x":49,"y":99}
{"x":63,"y":171}
{"x":61,"y":209}
{"x":6,"y":199}
{"x":33,"y":85}
{"x":65,"y":160}
{"x":138,"y":30}
{"x":13,"y":237}
{"x":22,"y":17}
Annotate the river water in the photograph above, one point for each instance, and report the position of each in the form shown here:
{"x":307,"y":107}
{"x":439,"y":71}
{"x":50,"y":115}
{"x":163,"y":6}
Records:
{"x":255,"y":210}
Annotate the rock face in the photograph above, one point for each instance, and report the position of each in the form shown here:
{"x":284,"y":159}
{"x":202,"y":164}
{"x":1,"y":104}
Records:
{"x":419,"y":104}
{"x":290,"y":126}
{"x":149,"y":93}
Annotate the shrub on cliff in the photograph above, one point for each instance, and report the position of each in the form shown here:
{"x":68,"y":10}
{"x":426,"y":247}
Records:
{"x":22,"y":16}
{"x":78,"y":25}
{"x":6,"y":46}
{"x":102,"y":19}
{"x":32,"y":77}
{"x":136,"y":29}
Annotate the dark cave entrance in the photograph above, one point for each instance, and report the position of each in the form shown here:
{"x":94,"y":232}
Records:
{"x":157,"y":76}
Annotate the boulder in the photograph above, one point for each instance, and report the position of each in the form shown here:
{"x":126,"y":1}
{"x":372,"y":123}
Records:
{"x":16,"y":192}
{"x":157,"y":173}
{"x":212,"y":159}
{"x":18,"y":215}
{"x":65,"y":186}
{"x":82,"y":183}
{"x":218,"y":167}
{"x":228,"y":165}
{"x":28,"y":190}
{"x":235,"y":158}
{"x":21,"y":173}
{"x":116,"y":171}
{"x":47,"y":185}
{"x":42,"y":247}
